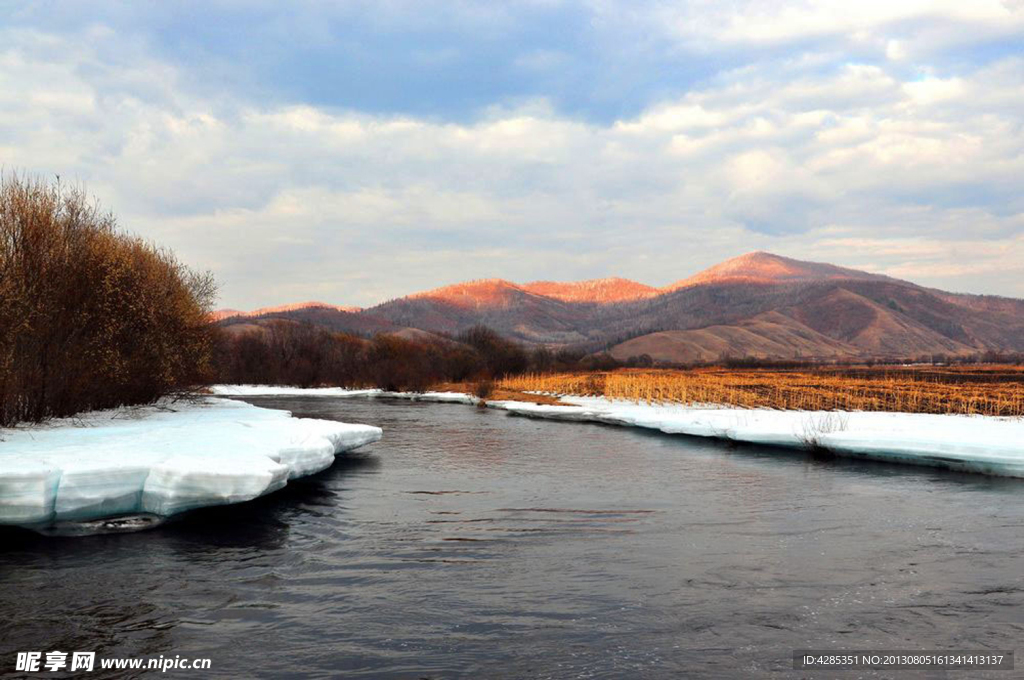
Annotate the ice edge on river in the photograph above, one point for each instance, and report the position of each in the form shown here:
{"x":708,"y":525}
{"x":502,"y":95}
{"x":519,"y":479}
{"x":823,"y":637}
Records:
{"x":161,"y":460}
{"x":978,"y":444}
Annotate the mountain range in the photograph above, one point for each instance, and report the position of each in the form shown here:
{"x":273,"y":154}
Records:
{"x":756,"y":305}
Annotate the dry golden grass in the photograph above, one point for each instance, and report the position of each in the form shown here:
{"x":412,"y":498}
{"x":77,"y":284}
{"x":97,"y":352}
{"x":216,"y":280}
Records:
{"x":497,"y":394}
{"x":987,"y":390}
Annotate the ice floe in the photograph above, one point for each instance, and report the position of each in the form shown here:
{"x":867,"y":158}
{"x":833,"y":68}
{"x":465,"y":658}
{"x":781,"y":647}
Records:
{"x":161,"y":460}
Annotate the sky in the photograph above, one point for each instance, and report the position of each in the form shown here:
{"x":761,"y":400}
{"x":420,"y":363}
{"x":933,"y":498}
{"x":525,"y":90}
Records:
{"x":353,"y":152}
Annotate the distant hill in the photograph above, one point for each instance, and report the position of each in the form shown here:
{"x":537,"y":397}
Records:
{"x":292,"y":307}
{"x":755,"y":305}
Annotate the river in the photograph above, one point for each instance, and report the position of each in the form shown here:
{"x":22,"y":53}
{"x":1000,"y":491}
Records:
{"x":471,"y":543}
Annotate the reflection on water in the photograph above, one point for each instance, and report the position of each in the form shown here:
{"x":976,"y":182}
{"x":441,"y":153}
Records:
{"x":473,"y":544}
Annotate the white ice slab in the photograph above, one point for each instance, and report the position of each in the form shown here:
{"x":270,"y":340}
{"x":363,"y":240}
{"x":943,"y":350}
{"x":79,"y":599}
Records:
{"x":161,"y":460}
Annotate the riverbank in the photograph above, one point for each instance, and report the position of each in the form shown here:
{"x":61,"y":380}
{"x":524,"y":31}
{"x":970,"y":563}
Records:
{"x":988,"y":445}
{"x":160,"y":460}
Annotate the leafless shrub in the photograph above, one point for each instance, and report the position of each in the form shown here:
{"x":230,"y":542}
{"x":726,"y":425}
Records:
{"x":818,"y":425}
{"x":90,"y":317}
{"x":484,"y":389}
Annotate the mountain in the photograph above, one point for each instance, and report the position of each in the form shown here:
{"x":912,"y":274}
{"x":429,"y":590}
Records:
{"x":768,"y":268}
{"x":600,"y":291}
{"x":510,"y":309}
{"x":870,"y":315}
{"x":755,"y":305}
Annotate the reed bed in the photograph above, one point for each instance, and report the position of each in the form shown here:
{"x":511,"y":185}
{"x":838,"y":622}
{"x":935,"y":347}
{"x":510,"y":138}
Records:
{"x":985,"y":391}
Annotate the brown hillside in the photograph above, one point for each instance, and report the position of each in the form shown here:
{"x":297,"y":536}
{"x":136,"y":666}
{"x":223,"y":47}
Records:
{"x":872,"y":328}
{"x":770,"y":335}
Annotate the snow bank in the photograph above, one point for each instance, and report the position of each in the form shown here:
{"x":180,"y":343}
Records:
{"x":284,"y":391}
{"x":281,"y":391}
{"x":983,"y":444}
{"x":162,"y":460}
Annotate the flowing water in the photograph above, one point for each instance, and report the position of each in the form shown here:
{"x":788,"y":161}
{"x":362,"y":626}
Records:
{"x":471,"y":543}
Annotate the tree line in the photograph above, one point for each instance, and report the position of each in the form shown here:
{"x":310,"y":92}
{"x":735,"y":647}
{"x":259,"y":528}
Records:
{"x":282,"y":352}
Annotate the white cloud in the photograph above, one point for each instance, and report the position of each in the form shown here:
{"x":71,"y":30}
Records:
{"x":896,"y":29}
{"x":859,"y":163}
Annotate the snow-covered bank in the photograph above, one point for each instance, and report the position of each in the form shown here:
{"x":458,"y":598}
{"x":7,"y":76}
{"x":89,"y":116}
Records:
{"x":981,"y":444}
{"x":161,"y":459}
{"x":339,"y":392}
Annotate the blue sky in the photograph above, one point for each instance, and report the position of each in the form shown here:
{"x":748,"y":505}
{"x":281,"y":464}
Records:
{"x":356,"y":151}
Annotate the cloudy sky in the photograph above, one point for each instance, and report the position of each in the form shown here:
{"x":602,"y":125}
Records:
{"x":356,"y":151}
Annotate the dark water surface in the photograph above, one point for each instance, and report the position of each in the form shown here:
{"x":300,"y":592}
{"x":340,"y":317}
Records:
{"x":469,"y":543}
